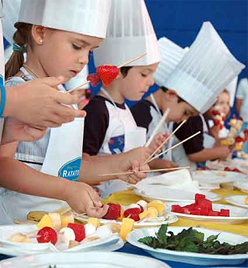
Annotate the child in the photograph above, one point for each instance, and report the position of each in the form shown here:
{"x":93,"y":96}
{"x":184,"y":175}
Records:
{"x":242,"y":105}
{"x":17,"y":109}
{"x":147,"y":113}
{"x":222,"y":107}
{"x":114,"y":131}
{"x":188,"y":85}
{"x":59,"y":153}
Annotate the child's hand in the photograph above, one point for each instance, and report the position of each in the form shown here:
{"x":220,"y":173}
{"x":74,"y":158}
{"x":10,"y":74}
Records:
{"x":83,"y":199}
{"x":157,"y":141}
{"x":162,"y":163}
{"x":223,"y":152}
{"x":134,"y":166}
{"x":141,"y":154}
{"x":214,"y":131}
{"x":15,"y":130}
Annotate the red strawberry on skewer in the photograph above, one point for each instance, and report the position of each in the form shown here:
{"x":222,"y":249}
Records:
{"x":107,"y":73}
{"x":94,"y":79}
{"x":46,"y":235}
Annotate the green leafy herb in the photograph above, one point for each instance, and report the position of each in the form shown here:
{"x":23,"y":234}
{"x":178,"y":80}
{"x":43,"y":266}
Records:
{"x":192,"y":241}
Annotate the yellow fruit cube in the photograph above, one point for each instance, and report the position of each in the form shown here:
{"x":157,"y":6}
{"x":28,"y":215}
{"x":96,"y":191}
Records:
{"x":159,"y":205}
{"x":246,"y":200}
{"x":46,"y":221}
{"x":94,"y":221}
{"x":153,"y":212}
{"x":126,"y":228}
{"x":64,"y":221}
{"x":144,"y":214}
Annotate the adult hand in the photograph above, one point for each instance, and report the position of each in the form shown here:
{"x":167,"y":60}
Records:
{"x":15,"y":130}
{"x":40,"y":103}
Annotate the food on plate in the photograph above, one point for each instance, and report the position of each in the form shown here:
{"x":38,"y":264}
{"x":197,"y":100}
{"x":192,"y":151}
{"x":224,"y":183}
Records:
{"x":126,"y":228}
{"x":246,"y":200}
{"x":46,"y":235}
{"x":191,"y":240}
{"x":232,"y":169}
{"x":79,"y":231}
{"x":19,"y":238}
{"x":139,"y":211}
{"x":202,"y":206}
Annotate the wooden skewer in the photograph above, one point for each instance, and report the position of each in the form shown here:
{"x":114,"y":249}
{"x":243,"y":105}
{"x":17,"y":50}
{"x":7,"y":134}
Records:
{"x":79,"y":87}
{"x":161,"y":122}
{"x":166,"y":140}
{"x":166,"y":151}
{"x":144,"y":171}
{"x":130,"y":61}
{"x":120,"y":66}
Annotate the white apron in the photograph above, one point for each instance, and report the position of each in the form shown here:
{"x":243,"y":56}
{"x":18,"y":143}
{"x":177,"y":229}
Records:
{"x":156,"y":117}
{"x":122,"y":135}
{"x":63,"y":159}
{"x":179,"y":155}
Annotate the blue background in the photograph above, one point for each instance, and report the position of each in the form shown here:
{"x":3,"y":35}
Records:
{"x":181,"y":20}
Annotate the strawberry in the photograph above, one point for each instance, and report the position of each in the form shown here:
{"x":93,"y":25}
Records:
{"x":132,"y":213}
{"x":94,"y":79}
{"x":216,"y":122}
{"x":78,"y":230}
{"x":113,"y":213}
{"x":107,"y":73}
{"x":46,"y":235}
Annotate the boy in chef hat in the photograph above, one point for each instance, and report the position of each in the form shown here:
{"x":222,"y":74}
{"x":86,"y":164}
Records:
{"x":204,"y":72}
{"x":147,"y":113}
{"x":130,"y":34}
{"x":56,"y":44}
{"x":189,"y":84}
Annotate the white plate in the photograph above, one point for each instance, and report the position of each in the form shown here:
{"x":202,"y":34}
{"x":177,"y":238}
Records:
{"x":237,"y":215}
{"x":217,"y":177}
{"x":85,"y":260}
{"x":188,"y":257}
{"x":243,"y":186}
{"x":108,"y":243}
{"x":173,"y":195}
{"x":238,"y":200}
{"x":209,"y":186}
{"x":169,"y":218}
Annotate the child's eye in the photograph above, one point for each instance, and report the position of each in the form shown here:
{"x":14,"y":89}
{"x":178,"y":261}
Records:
{"x":144,"y":75}
{"x":76,"y":47}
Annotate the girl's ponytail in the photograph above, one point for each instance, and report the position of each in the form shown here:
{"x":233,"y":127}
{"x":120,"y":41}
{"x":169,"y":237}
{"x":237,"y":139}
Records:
{"x":22,"y":39}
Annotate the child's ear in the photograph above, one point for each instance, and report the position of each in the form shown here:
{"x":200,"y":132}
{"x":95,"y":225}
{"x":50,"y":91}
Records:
{"x":171,"y":94}
{"x":38,"y":34}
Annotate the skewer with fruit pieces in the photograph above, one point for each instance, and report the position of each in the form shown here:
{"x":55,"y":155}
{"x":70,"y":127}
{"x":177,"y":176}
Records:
{"x":236,"y":125}
{"x":61,"y":231}
{"x":218,"y":118}
{"x":105,"y":74}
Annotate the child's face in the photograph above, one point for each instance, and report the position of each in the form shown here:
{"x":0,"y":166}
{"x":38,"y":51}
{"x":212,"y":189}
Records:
{"x":223,"y":103}
{"x":137,"y":82}
{"x":179,"y":111}
{"x":65,"y":53}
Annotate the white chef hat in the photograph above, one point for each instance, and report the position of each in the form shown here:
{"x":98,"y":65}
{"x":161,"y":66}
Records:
{"x":88,"y":17}
{"x":79,"y":79}
{"x":231,"y":88}
{"x":205,"y":70}
{"x":11,"y":11}
{"x":130,"y":34}
{"x":171,"y":55}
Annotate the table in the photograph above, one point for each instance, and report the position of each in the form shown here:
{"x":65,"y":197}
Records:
{"x":127,"y":197}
